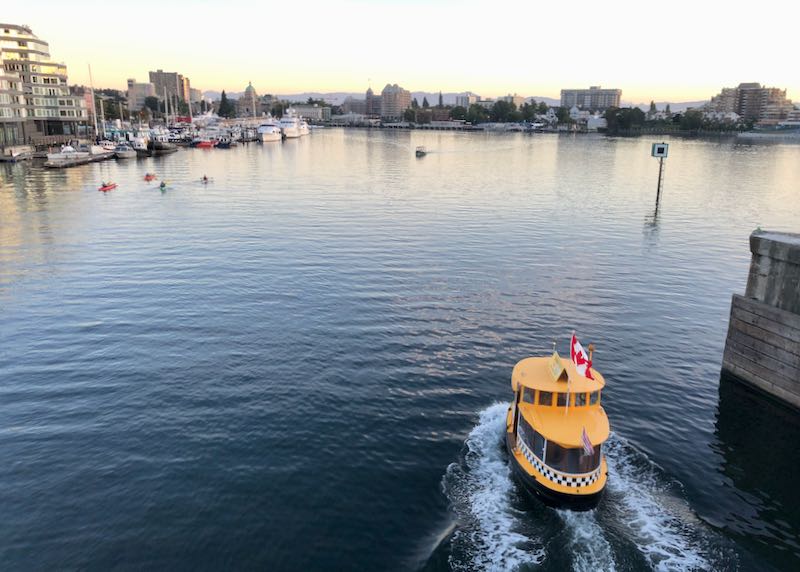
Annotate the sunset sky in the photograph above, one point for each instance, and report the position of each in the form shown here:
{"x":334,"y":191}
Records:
{"x":669,"y":51}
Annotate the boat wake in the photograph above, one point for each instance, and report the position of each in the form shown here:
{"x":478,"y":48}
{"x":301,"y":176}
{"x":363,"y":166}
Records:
{"x":490,"y":533}
{"x":588,"y":545}
{"x":654,"y":516}
{"x":643,"y":521}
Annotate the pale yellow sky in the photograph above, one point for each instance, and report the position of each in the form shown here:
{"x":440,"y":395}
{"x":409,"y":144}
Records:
{"x":669,"y":51}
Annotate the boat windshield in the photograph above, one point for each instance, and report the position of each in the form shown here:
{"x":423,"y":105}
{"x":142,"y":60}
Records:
{"x":571,"y":460}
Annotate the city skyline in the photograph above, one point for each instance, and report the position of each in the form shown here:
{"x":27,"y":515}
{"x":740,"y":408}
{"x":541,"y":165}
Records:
{"x":345,"y":47}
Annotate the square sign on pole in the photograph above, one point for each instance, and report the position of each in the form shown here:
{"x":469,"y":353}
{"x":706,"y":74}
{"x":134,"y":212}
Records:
{"x":660,"y":150}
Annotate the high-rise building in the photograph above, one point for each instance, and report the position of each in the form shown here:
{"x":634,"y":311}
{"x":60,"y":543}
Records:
{"x":766,"y":105}
{"x":372,"y":103}
{"x":171,"y":83}
{"x":138,"y":93}
{"x":394,"y":101}
{"x":594,"y":98}
{"x":35,"y":100}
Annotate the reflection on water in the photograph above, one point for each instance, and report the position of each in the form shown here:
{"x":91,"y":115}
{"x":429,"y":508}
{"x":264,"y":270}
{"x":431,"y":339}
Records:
{"x":757,"y":440}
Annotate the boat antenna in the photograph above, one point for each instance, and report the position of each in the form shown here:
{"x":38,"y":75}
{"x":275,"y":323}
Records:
{"x":591,"y":351}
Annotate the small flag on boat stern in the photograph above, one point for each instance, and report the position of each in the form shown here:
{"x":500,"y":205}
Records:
{"x":579,"y":357}
{"x":588,"y":449}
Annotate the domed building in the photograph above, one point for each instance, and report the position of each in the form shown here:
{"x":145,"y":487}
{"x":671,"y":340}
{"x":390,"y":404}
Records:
{"x":248,"y":104}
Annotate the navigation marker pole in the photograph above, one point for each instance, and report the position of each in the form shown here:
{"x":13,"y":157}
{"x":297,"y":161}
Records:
{"x":660,"y":151}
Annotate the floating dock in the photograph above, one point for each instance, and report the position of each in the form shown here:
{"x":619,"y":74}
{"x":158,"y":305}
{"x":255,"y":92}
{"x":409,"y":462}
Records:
{"x":763,"y":344}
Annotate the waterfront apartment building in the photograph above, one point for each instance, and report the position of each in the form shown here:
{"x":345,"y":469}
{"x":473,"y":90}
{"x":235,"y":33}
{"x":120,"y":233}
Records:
{"x":394,"y":101}
{"x":765,"y":105}
{"x":372,"y":103}
{"x":171,"y":83}
{"x":35,"y":100}
{"x":138,"y":93}
{"x":595,"y":98}
{"x":466,"y":100}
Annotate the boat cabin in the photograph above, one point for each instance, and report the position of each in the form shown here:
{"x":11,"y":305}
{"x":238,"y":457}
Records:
{"x":555,"y":410}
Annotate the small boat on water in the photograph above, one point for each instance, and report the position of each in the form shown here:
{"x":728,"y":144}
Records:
{"x":124,"y":151}
{"x":290,"y":124}
{"x":421,"y":151}
{"x":105,"y":187}
{"x":149,"y":177}
{"x":205,"y":144}
{"x":555,"y":428}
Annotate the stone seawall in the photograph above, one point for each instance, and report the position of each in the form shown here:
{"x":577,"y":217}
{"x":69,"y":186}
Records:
{"x":763,"y":344}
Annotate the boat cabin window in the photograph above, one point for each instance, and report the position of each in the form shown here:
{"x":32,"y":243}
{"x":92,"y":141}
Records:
{"x":528,"y":395}
{"x":571,"y":460}
{"x":531,"y":438}
{"x":580,"y":399}
{"x":594,"y":397}
{"x":545,"y":398}
{"x":562,"y":399}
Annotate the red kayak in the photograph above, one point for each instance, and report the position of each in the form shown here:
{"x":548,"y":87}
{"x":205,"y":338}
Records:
{"x":108,"y":187}
{"x":149,"y":177}
{"x":206,"y":144}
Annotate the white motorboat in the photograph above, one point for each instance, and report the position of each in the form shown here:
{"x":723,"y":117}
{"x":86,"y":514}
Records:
{"x":124,"y":151}
{"x":67,"y":153}
{"x":270,"y":130}
{"x":304,"y":130}
{"x":108,"y":145}
{"x":290,"y":124}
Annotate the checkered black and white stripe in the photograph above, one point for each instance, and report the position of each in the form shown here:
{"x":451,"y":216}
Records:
{"x":561,"y":478}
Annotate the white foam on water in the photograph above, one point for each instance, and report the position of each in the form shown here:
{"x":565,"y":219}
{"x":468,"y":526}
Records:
{"x":480,"y":494}
{"x":663,"y":530}
{"x":590,"y":549}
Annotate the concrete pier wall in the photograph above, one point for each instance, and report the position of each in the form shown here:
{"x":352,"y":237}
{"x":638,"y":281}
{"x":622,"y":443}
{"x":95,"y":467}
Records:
{"x":763,"y":344}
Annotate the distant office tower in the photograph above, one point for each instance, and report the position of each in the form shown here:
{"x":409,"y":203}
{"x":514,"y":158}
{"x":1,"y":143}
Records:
{"x":766,"y":105}
{"x":34,"y":98}
{"x":394,"y":101}
{"x":175,"y":85}
{"x":138,"y":93}
{"x":594,"y":98}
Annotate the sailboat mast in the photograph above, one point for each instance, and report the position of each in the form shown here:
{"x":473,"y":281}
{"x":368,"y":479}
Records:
{"x":94,"y":107}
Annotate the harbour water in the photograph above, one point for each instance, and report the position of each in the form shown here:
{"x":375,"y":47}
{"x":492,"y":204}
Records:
{"x":303,"y":364}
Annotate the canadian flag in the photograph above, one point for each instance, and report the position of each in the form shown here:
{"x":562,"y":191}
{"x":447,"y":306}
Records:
{"x":582,"y":362}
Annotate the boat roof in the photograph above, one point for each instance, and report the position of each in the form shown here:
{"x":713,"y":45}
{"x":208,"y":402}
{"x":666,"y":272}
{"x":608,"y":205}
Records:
{"x":564,"y":425}
{"x":535,"y":373}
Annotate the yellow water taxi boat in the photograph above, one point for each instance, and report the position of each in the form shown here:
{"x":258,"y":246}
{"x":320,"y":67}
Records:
{"x":555,"y":430}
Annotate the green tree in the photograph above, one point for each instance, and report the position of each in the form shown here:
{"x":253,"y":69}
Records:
{"x":477,"y":114}
{"x":415,"y":103}
{"x":667,"y":111}
{"x":458,"y":112}
{"x":410,"y":115}
{"x":151,"y":102}
{"x":502,"y":111}
{"x":611,"y":119}
{"x":425,"y":104}
{"x":528,"y":111}
{"x":562,"y":114}
{"x":441,"y":101}
{"x":653,"y":109}
{"x":692,"y":120}
{"x":183,"y":107}
{"x":543,"y":107}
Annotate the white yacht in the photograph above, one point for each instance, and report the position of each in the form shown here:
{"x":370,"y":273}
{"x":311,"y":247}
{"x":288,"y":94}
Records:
{"x":67,"y":153}
{"x":304,"y":130}
{"x":290,"y":124}
{"x":270,"y":130}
